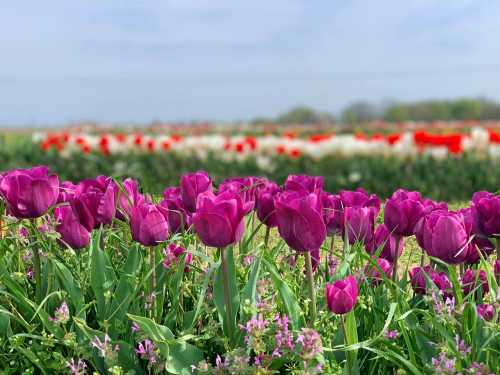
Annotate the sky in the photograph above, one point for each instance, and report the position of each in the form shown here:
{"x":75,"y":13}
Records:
{"x":138,"y":61}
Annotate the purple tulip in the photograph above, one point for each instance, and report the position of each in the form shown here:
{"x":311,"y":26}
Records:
{"x":469,"y":281}
{"x":443,"y":284}
{"x":66,"y":191}
{"x":360,"y":198}
{"x":94,"y":202}
{"x":148,"y":224}
{"x":192,"y":185}
{"x":129,"y":198}
{"x":303,"y":183}
{"x":373,"y":272}
{"x":477,"y":243}
{"x":443,"y":234}
{"x":333,"y":213}
{"x":496,"y":268}
{"x":383,"y":238}
{"x":341,"y":296}
{"x":430,"y":205}
{"x":418,"y":280}
{"x":178,"y":218}
{"x":172,"y":254}
{"x":29,"y":193}
{"x":300,"y":222}
{"x":359,"y":222}
{"x":247,"y":187}
{"x":485,"y":311}
{"x":219,"y":219}
{"x":402,"y":212}
{"x":264,"y":204}
{"x":486,"y":211}
{"x":69,"y":227}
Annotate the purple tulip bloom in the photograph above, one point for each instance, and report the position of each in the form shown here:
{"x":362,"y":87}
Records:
{"x":66,"y":191}
{"x":341,"y":296}
{"x":418,"y":280}
{"x":443,"y":284}
{"x":179,"y":219}
{"x":300,"y":222}
{"x":486,"y":211}
{"x":303,"y":183}
{"x":192,"y":185}
{"x":485,"y":311}
{"x":219,"y":219}
{"x":373,"y":272}
{"x":333,"y":213}
{"x":128,"y":198}
{"x":360,"y":198}
{"x":469,"y":281}
{"x":496,"y":268}
{"x":359,"y":222}
{"x":383,"y":238}
{"x":29,"y":193}
{"x":402,"y":212}
{"x":477,"y":243}
{"x":444,"y":235}
{"x":148,"y":224}
{"x":69,"y":227}
{"x":247,"y":187}
{"x":94,"y":202}
{"x":264,"y":204}
{"x":172,"y":254}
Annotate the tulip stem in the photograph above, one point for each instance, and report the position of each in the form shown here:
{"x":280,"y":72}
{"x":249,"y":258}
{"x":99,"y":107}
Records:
{"x":332,"y":245}
{"x":37,"y":269}
{"x":498,"y":248}
{"x":152,"y":264}
{"x":347,"y":354}
{"x":227,"y":301}
{"x":396,"y":258}
{"x":266,"y":237}
{"x":310,"y":286}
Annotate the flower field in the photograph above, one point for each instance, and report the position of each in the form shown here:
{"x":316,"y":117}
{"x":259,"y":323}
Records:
{"x":247,"y":276}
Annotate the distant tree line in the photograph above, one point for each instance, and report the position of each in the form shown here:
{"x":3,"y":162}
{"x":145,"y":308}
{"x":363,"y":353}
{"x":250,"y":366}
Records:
{"x":427,"y":110}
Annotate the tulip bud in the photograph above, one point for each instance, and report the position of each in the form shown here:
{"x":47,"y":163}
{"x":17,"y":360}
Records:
{"x":264,"y":204}
{"x":373,"y":272}
{"x":386,"y":239}
{"x":469,"y":281}
{"x":179,"y":219}
{"x":69,"y":227}
{"x":402,"y":212}
{"x":148,"y":224}
{"x":486,"y":211}
{"x":485,"y":311}
{"x":341,"y":296}
{"x":192,"y":185}
{"x":303,"y":183}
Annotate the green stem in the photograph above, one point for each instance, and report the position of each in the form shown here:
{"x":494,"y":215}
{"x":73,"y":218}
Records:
{"x":347,"y":354}
{"x":310,"y":286}
{"x":227,"y":301}
{"x":266,"y":237}
{"x":396,"y":258}
{"x":152,"y":264}
{"x":37,"y":269}
{"x":498,"y":248}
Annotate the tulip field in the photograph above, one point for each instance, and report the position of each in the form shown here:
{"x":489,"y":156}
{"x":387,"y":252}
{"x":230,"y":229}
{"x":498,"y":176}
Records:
{"x":247,"y":275}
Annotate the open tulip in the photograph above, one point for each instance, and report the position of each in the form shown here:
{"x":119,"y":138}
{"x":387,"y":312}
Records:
{"x":192,"y":185}
{"x":388,"y":241}
{"x":402,"y":212}
{"x":29,"y":193}
{"x":264,"y":204}
{"x":179,"y":219}
{"x":219,"y":219}
{"x":128,"y":198}
{"x":148,"y":224}
{"x":341,"y":296}
{"x":69,"y":227}
{"x":304,"y":183}
{"x":300,"y":221}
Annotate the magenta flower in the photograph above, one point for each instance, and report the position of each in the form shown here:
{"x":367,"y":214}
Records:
{"x":66,"y":191}
{"x":219,"y":219}
{"x":496,"y":268}
{"x":485,"y":311}
{"x":148,"y":224}
{"x":443,"y":284}
{"x":469,"y":282}
{"x":69,"y":227}
{"x":264,"y":204}
{"x":402,"y":212}
{"x":359,"y":222}
{"x":333,"y":213}
{"x":305,"y":184}
{"x":486,"y":211}
{"x":246,"y":187}
{"x":388,"y":241}
{"x":192,"y":185}
{"x":147,"y":350}
{"x":29,"y":193}
{"x":418,"y":280}
{"x":360,"y":198}
{"x":478,"y":245}
{"x":341,"y":296}
{"x":373,"y":273}
{"x":179,"y":219}
{"x":172,"y":254}
{"x":128,"y":198}
{"x":300,"y":221}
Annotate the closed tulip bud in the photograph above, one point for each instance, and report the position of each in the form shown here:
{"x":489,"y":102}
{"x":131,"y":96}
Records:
{"x":179,"y":219}
{"x":148,"y":224}
{"x":219,"y":219}
{"x":444,"y":235}
{"x":94,"y":202}
{"x":128,"y":198}
{"x":29,"y":193}
{"x":300,"y":221}
{"x":383,"y":238}
{"x":402,"y":212}
{"x":333,"y":213}
{"x":485,"y":311}
{"x":373,"y":272}
{"x":69,"y":227}
{"x":469,"y":281}
{"x":443,"y":284}
{"x":341,"y":296}
{"x":359,"y":223}
{"x":264,"y":204}
{"x":418,"y":279}
{"x":192,"y":185}
{"x":478,"y":245}
{"x":360,"y":198}
{"x":247,"y":187}
{"x":486,"y":211}
{"x":303,"y":183}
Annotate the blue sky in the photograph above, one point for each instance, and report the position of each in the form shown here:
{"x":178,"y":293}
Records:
{"x":138,"y":61}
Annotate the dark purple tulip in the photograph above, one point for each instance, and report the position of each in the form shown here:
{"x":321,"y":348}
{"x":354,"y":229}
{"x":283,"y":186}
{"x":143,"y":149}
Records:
{"x":219,"y":219}
{"x":360,"y":198}
{"x":402,"y":212}
{"x":300,"y":222}
{"x":386,"y":239}
{"x":333,"y":213}
{"x":485,"y":311}
{"x":486,"y":210}
{"x":192,"y":185}
{"x":477,"y":244}
{"x":341,"y":296}
{"x":94,"y":202}
{"x":247,"y":187}
{"x":172,"y":253}
{"x":359,"y":223}
{"x":304,"y":183}
{"x":443,"y":234}
{"x":148,"y":224}
{"x":469,"y":281}
{"x":264,"y":204}
{"x":373,"y":272}
{"x":443,"y":284}
{"x":418,"y":280}
{"x":29,"y":193}
{"x":430,"y":205}
{"x":66,"y":191}
{"x":69,"y":227}
{"x":128,"y":198}
{"x":178,"y":217}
